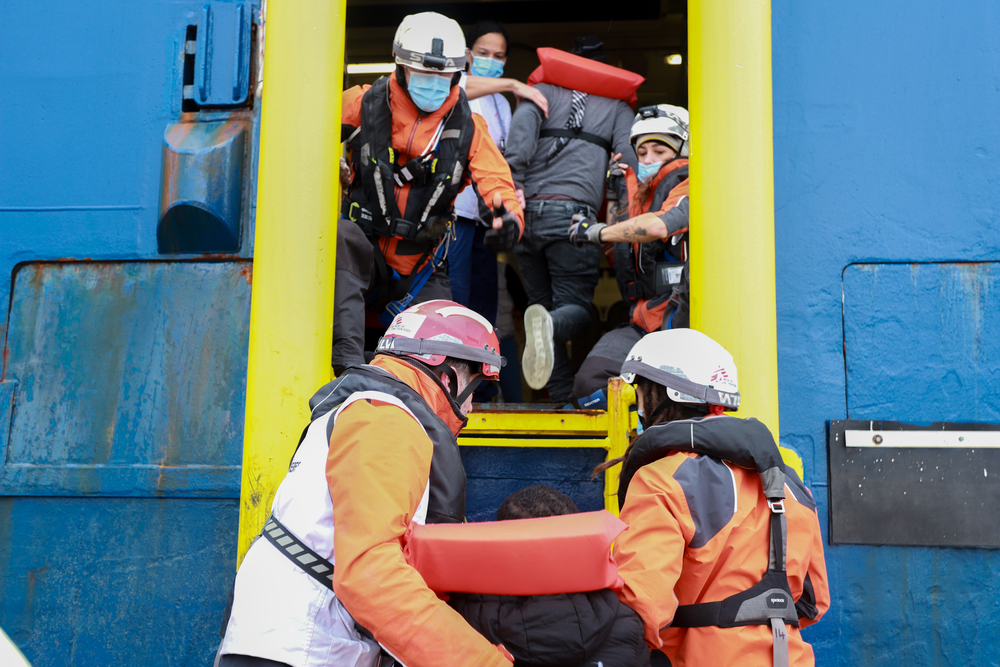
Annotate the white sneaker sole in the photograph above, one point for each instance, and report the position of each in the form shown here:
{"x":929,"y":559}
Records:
{"x":536,"y":363}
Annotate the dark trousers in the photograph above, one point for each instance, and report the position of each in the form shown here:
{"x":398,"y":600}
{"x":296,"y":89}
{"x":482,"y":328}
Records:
{"x":605,"y":359}
{"x":355,"y":257}
{"x":560,"y":277}
{"x":355,"y":262}
{"x":472,"y":269}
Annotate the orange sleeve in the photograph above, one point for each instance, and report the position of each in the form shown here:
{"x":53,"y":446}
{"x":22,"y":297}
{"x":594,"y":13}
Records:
{"x":377,"y":471}
{"x":490,"y":172}
{"x":650,"y":553}
{"x":679,"y":192}
{"x":350,"y":112}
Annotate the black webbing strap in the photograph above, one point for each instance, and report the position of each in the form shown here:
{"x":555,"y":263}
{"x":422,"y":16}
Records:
{"x":725,"y":613}
{"x":573,"y":134}
{"x":308,"y":560}
{"x":316,"y":567}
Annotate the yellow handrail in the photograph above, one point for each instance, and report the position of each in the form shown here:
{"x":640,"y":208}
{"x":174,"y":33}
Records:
{"x":608,"y":430}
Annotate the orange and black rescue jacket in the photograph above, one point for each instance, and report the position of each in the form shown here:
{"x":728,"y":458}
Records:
{"x":699,"y":533}
{"x":636,"y":263}
{"x":463,"y":153}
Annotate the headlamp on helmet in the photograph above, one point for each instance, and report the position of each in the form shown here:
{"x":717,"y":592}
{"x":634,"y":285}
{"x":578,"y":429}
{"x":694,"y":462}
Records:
{"x":430,"y":42}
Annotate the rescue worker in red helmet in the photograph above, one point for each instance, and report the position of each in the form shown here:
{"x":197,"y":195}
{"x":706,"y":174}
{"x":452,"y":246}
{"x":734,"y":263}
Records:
{"x":415,"y":144}
{"x":329,"y":584}
{"x":723,"y":558}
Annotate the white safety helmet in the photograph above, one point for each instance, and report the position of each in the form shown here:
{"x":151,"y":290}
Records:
{"x":430,"y":42}
{"x":692,"y":367}
{"x":663,"y":122}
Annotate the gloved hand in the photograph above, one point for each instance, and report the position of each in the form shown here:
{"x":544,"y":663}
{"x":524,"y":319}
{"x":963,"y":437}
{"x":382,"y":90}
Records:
{"x":584,"y":230}
{"x":505,"y":237}
{"x":345,"y":175}
{"x":615,"y":167}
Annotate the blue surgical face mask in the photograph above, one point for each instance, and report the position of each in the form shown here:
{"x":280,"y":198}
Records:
{"x":647,"y":171}
{"x":429,"y":91}
{"x":486,"y":67}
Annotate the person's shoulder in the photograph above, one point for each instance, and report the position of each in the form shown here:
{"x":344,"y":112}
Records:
{"x":355,"y":93}
{"x":550,"y":89}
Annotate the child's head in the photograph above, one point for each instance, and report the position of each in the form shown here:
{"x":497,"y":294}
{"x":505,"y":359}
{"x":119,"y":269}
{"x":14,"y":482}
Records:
{"x":536,"y":501}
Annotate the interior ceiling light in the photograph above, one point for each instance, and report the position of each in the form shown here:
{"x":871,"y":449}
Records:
{"x":371,"y":68}
{"x":674,"y":59}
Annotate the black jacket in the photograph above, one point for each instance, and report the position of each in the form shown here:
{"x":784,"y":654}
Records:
{"x":569,"y":630}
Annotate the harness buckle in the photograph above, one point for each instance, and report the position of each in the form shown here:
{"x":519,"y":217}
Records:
{"x":404,"y":228}
{"x":777,"y":506}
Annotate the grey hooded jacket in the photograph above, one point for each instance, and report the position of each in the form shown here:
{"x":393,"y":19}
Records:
{"x":579,"y":171}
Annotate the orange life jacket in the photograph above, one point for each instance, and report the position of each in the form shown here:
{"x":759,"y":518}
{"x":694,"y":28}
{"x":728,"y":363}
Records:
{"x":574,"y":72}
{"x":545,"y":556}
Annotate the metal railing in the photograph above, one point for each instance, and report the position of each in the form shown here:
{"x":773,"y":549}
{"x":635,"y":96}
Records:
{"x":609,"y":430}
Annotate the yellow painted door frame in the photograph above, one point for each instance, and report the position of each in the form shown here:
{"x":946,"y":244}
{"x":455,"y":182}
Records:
{"x":732,"y":219}
{"x":732,"y":194}
{"x":295,"y":242}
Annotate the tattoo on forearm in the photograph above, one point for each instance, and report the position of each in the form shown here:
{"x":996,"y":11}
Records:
{"x":634,"y":234}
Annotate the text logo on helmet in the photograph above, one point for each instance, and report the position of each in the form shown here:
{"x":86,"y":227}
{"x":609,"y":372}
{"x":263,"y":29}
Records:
{"x":434,"y":330}
{"x":430,"y":42}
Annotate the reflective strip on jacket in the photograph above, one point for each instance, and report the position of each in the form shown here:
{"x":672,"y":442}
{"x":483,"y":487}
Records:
{"x":698,"y":532}
{"x":411,"y":134}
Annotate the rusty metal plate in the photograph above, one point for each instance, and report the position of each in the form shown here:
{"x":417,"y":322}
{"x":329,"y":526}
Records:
{"x":131,"y":378}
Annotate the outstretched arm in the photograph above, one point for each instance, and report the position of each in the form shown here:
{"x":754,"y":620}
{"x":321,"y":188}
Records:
{"x":481,"y":86}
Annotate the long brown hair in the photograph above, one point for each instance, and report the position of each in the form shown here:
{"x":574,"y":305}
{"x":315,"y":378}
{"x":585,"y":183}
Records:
{"x":664,"y":410}
{"x":642,"y":195}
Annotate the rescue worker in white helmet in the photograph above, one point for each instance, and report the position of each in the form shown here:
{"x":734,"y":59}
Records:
{"x":414,"y":145}
{"x":649,"y":243}
{"x":723,"y":558}
{"x":328,"y":584}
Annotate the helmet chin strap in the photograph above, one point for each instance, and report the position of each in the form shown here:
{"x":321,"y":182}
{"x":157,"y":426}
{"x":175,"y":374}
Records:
{"x":474,"y":381}
{"x":469,"y":388}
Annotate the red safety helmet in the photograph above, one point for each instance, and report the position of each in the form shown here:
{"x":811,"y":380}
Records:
{"x":431,"y":331}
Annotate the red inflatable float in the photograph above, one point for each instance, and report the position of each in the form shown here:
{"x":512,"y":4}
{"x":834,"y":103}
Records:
{"x":588,"y":76}
{"x":556,"y":554}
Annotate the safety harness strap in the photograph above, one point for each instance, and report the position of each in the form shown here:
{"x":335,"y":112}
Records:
{"x":574,"y":134}
{"x":769,"y":602}
{"x":779,"y":639}
{"x":296,"y":551}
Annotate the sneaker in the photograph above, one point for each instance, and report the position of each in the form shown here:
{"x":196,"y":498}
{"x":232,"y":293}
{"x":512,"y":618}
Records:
{"x":536,"y":363}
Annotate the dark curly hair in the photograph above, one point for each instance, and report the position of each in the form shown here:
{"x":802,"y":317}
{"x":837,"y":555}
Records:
{"x":536,"y":501}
